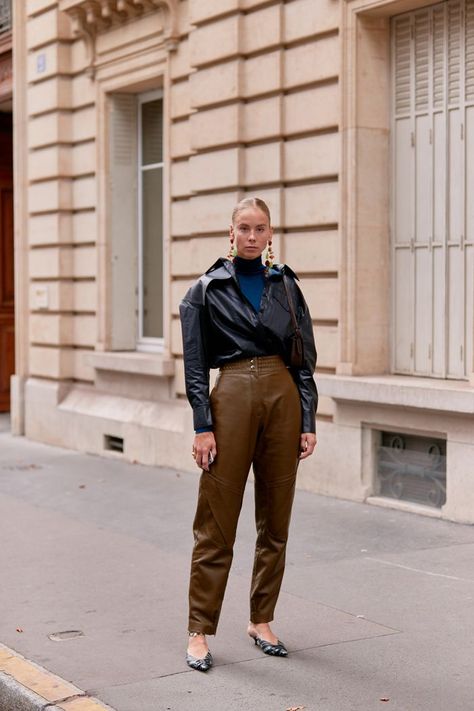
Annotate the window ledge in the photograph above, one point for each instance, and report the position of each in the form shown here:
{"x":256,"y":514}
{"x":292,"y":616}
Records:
{"x":400,"y":390}
{"x":133,"y":362}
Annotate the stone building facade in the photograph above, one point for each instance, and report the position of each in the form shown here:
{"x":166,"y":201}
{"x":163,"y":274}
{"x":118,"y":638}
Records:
{"x":140,"y":123}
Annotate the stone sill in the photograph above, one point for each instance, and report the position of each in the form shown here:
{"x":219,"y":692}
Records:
{"x":154,"y":364}
{"x":400,"y":390}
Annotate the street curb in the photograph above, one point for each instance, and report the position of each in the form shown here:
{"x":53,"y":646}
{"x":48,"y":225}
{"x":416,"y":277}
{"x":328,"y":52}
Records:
{"x":25,"y":686}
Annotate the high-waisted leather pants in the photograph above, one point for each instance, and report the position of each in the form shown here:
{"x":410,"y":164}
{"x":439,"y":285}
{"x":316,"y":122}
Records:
{"x":257,"y":420}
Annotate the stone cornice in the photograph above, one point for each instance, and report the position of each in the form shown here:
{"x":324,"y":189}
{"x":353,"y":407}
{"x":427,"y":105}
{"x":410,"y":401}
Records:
{"x":91,"y":17}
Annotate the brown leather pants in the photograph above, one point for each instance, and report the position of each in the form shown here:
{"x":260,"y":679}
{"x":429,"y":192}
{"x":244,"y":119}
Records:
{"x":257,"y":420}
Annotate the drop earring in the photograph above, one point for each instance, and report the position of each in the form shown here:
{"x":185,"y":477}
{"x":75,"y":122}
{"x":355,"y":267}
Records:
{"x":269,"y":257}
{"x":232,"y":252}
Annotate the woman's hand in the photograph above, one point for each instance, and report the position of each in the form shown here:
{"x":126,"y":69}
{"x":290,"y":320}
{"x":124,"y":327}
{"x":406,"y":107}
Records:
{"x":307,"y":444}
{"x":204,"y":444}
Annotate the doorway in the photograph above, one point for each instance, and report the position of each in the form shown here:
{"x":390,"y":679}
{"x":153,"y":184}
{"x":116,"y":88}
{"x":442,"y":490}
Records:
{"x":7,"y":319}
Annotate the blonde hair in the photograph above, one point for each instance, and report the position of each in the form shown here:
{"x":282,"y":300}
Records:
{"x":251,"y":202}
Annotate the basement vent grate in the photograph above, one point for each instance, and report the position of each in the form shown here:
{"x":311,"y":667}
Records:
{"x":113,"y":443}
{"x":412,"y":468}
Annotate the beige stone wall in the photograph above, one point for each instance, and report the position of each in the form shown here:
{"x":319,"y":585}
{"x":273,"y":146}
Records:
{"x":255,"y":111}
{"x":61,"y":175}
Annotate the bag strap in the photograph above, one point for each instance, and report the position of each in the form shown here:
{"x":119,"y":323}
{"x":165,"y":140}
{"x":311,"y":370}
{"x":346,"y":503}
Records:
{"x":290,"y":304}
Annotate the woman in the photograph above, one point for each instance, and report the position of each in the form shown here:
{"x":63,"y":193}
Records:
{"x":261,"y":412}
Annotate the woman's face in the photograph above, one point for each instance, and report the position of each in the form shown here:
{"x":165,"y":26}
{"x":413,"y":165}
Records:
{"x":250,"y":233}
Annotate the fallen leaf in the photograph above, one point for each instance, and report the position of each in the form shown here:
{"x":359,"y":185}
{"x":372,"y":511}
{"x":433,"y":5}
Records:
{"x":384,"y":698}
{"x":296,"y":708}
{"x":82,"y":486}
{"x":18,"y":629}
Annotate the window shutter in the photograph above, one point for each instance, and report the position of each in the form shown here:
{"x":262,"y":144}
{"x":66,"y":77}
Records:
{"x":123,"y":228}
{"x":433,"y":64}
{"x":404,"y":207}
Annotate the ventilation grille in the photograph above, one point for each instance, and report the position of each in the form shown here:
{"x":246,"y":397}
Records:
{"x":113,"y":443}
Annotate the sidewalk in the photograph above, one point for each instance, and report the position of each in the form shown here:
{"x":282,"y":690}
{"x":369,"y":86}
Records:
{"x":376,"y":604}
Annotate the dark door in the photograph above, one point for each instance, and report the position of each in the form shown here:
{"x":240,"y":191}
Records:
{"x":7,"y":321}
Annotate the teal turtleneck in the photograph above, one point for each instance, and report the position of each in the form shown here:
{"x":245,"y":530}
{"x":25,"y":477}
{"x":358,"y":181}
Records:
{"x":251,"y":278}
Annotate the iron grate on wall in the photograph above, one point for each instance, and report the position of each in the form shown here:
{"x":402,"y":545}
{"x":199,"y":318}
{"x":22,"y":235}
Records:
{"x":412,"y":468}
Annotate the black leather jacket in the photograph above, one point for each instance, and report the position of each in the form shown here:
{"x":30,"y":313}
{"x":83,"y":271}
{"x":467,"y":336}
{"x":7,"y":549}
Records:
{"x":220,"y":325}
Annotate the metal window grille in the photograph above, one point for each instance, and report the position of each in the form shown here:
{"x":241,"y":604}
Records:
{"x":412,"y":468}
{"x":5,"y":15}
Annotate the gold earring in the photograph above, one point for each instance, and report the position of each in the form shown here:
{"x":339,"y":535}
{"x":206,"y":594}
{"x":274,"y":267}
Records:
{"x":269,"y":257}
{"x":232,"y":251}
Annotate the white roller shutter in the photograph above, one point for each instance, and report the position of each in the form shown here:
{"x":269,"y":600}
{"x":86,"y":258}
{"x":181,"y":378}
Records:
{"x":433,"y":190}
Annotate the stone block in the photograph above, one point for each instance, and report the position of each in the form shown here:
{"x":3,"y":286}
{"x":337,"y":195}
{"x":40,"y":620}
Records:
{"x":193,"y":257}
{"x":184,"y":19}
{"x":84,"y":296}
{"x":47,"y":130}
{"x":262,"y":164}
{"x":83,"y":91}
{"x":212,"y":213}
{"x":180,"y":61}
{"x":180,"y":139}
{"x":312,"y":205}
{"x":215,"y":170}
{"x":85,"y":262}
{"x":261,"y":29}
{"x":315,"y":61}
{"x":84,"y":227}
{"x":48,"y":27}
{"x":313,"y":251}
{"x":84,"y":158}
{"x":84,"y":124}
{"x":34,"y":7}
{"x":262,"y":74}
{"x":51,"y":296}
{"x":312,"y":157}
{"x":262,"y":119}
{"x":51,"y":263}
{"x":79,"y":56}
{"x":51,"y":228}
{"x":180,"y":99}
{"x":80,"y":369}
{"x":48,"y":61}
{"x":47,"y":362}
{"x":181,"y":218}
{"x":84,"y":193}
{"x":179,"y":288}
{"x":84,"y":330}
{"x":50,"y":329}
{"x":204,"y":48}
{"x":50,"y":162}
{"x":49,"y":196}
{"x":325,"y":405}
{"x":215,"y":84}
{"x":180,"y":178}
{"x":203,"y":10}
{"x":251,"y":4}
{"x":176,"y":338}
{"x":304,"y":18}
{"x":49,"y":95}
{"x":215,"y":127}
{"x":327,"y":345}
{"x":312,"y":109}
{"x":322,"y":296}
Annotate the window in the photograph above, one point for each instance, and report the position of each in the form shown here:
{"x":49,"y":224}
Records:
{"x":5,"y":15}
{"x":135,"y":207}
{"x":150,"y":220}
{"x":433,"y":190}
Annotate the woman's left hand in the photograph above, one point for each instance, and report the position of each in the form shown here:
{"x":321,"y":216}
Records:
{"x":307,"y":444}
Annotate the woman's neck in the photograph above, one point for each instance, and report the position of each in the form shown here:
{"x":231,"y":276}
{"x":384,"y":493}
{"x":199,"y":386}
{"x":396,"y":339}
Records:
{"x":248,"y":266}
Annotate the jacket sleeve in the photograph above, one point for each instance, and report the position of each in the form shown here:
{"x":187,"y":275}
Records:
{"x":303,"y":377}
{"x":196,"y":368}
